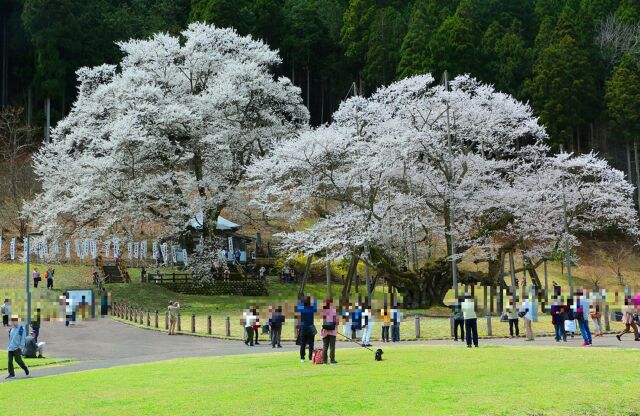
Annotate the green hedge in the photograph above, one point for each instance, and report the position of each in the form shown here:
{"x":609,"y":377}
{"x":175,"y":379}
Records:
{"x":237,"y":288}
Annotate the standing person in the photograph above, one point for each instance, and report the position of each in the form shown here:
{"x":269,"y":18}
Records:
{"x":458,"y":320}
{"x":306,"y":308}
{"x":249,"y":321}
{"x":627,"y":319}
{"x":50,"y":274}
{"x":367,"y":318}
{"x":275,"y":323}
{"x":596,"y":313}
{"x":256,"y":325}
{"x":174,"y":310}
{"x":582,"y":314}
{"x":36,"y":277}
{"x":329,"y":331}
{"x":346,"y":321}
{"x":356,"y":322}
{"x":6,"y":312}
{"x":17,"y":339}
{"x":470,"y":320}
{"x":286,"y":274}
{"x":396,"y":320}
{"x":514,"y":319}
{"x":526,"y":311}
{"x":35,"y":324}
{"x":385,"y":317}
{"x":238,"y":255}
{"x":557,"y":319}
{"x":263,"y":273}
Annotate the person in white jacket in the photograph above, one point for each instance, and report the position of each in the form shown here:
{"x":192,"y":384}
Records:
{"x":367,"y":320}
{"x":250,"y":319}
{"x":526,"y":310}
{"x":470,"y":320}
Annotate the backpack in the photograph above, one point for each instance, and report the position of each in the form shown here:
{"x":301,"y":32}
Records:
{"x":317,"y":357}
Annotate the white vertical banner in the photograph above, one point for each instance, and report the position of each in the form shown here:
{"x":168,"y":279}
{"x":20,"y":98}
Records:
{"x":165,"y":253}
{"x":12,"y":248}
{"x":184,"y":255}
{"x":85,"y":248}
{"x":174,"y":254}
{"x":55,"y":248}
{"x":143,"y":249}
{"x":76,"y":245}
{"x":129,"y":250}
{"x":67,"y":249}
{"x":116,"y":248}
{"x":156,"y":253}
{"x":136,"y":250}
{"x":107,"y":248}
{"x":45,"y":248}
{"x":93,"y":248}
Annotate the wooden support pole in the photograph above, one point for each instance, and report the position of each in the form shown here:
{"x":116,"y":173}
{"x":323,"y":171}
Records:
{"x":179,"y":322}
{"x":193,"y":323}
{"x":148,"y":317}
{"x":489,"y":329}
{"x":156,"y":320}
{"x":227,"y":325}
{"x":166,"y":321}
{"x":607,"y":325}
{"x":417,"y":324}
{"x":209,"y":324}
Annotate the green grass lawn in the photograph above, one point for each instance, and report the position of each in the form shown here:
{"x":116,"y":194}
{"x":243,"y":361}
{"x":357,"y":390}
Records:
{"x":36,"y":362}
{"x":410,"y":381}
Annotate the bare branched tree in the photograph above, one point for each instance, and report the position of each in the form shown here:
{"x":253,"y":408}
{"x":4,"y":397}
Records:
{"x":17,"y":181}
{"x":616,"y":39}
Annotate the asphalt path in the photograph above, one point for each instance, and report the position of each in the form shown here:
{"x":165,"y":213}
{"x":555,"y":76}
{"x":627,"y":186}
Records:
{"x":105,"y":343}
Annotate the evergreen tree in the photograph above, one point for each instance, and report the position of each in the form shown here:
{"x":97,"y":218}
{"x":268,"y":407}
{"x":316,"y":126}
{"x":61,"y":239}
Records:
{"x":623,"y":98}
{"x":355,"y":30}
{"x":383,"y":52}
{"x":224,"y":13}
{"x":629,"y":11}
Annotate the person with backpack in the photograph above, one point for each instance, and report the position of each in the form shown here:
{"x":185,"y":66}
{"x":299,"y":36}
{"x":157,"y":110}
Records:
{"x":275,"y":323}
{"x":306,"y":309}
{"x":582,"y":314}
{"x":329,"y":331}
{"x":470,"y":320}
{"x":569,"y":318}
{"x":458,"y":320}
{"x":17,"y":340}
{"x":6,"y":312}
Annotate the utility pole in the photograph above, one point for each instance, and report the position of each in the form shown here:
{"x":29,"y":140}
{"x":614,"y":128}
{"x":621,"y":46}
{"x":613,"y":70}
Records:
{"x":452,"y":236}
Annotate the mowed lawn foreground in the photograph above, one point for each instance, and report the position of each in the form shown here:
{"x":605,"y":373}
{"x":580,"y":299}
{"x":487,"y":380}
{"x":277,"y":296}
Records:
{"x":412,"y":380}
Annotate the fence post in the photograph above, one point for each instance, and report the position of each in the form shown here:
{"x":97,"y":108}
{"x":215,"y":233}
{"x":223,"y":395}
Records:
{"x":489,"y":329}
{"x":179,"y":323}
{"x":136,"y":312}
{"x":166,"y":321}
{"x":193,"y":323}
{"x":141,"y":316}
{"x":156,"y":320}
{"x":209,"y":324}
{"x":227,"y":326}
{"x":132,"y":315}
{"x":417,"y":327}
{"x":607,"y":326}
{"x":148,"y":317}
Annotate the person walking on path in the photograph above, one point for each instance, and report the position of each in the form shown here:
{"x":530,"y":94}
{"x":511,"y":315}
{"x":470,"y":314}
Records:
{"x":329,"y":331}
{"x":174,"y":310}
{"x":627,"y":319}
{"x":306,"y":309}
{"x":470,"y":320}
{"x":275,"y":323}
{"x":6,"y":312}
{"x":249,"y":322}
{"x":514,"y":320}
{"x":596,"y":313}
{"x":458,"y":320}
{"x":557,"y":319}
{"x":17,"y":340}
{"x":527,"y":314}
{"x":256,"y":325}
{"x":582,"y":313}
{"x":385,"y":317}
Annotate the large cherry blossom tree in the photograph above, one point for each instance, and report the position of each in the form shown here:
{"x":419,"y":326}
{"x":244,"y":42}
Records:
{"x":166,"y":134}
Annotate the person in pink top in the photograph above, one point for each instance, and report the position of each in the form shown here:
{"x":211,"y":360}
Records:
{"x":329,"y":330}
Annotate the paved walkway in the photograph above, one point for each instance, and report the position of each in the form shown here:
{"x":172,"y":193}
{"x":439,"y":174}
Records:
{"x":107,"y":343}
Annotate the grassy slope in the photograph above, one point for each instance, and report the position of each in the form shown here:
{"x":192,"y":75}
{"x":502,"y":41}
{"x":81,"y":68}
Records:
{"x":411,"y":381}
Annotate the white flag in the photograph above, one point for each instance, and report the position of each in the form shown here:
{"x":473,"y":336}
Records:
{"x":130,"y":250}
{"x":55,"y":248}
{"x":67,"y":249}
{"x":93,"y":249}
{"x":13,"y":248}
{"x":107,"y":247}
{"x":165,"y":253}
{"x":184,"y":254}
{"x":76,"y":245}
{"x":85,"y":248}
{"x":116,"y":248}
{"x":136,"y":250}
{"x":143,"y":249}
{"x":174,"y":255}
{"x":156,"y":254}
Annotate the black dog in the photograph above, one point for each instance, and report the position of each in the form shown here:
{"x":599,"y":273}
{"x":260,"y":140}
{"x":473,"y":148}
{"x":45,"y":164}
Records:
{"x":379,"y":354}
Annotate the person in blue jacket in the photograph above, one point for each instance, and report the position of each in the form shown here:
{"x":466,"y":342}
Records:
{"x":17,"y":339}
{"x":306,"y":308}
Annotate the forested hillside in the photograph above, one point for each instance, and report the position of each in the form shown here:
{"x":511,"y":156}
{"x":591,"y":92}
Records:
{"x":584,"y":87}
